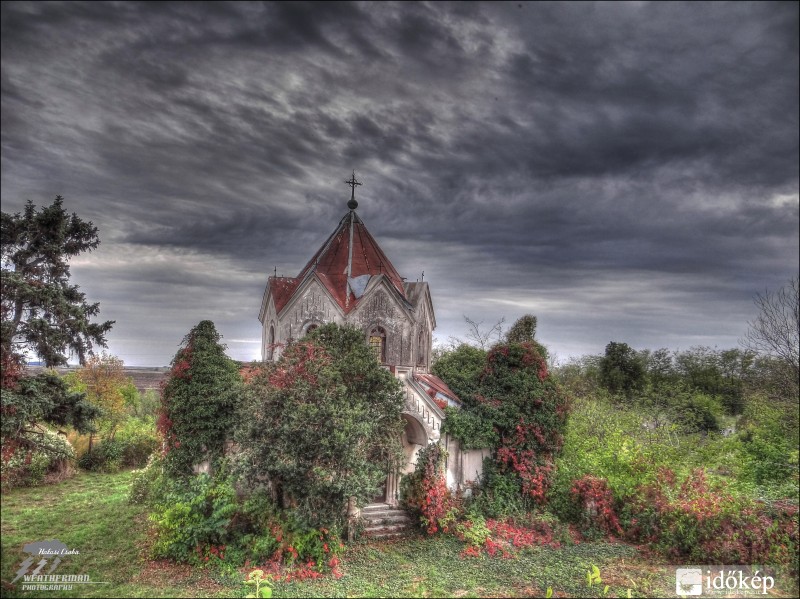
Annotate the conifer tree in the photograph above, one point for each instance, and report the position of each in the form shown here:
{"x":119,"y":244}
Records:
{"x":41,"y":311}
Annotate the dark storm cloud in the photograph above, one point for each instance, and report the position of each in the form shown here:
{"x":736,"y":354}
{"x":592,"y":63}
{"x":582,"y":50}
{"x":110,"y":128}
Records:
{"x":627,"y":171}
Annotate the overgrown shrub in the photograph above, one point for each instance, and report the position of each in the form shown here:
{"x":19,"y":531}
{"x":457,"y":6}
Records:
{"x":696,"y":519}
{"x":198,"y":401}
{"x":148,"y":483}
{"x":497,"y":494}
{"x":518,"y":410}
{"x":105,"y":456}
{"x":323,"y":425}
{"x":202,"y":521}
{"x":35,"y":455}
{"x":138,"y":439}
{"x":768,"y":448}
{"x":596,"y":506}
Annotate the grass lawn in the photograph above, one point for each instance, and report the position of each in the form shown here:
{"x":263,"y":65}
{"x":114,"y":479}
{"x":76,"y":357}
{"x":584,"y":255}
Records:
{"x":90,"y":513}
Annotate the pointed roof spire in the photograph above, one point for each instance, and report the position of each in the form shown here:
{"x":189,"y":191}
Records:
{"x":352,"y":204}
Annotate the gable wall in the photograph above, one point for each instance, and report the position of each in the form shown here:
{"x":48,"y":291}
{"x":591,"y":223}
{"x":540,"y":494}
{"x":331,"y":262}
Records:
{"x":312,"y":306}
{"x":379,"y":308}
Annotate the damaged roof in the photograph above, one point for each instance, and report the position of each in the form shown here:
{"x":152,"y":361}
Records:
{"x":345,"y":264}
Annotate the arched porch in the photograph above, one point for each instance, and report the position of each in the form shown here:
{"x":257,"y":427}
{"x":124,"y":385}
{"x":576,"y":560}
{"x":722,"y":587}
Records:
{"x":413,"y":438}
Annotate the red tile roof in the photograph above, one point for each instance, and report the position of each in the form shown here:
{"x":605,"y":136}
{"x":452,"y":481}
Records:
{"x":330,"y":263}
{"x":436,"y":384}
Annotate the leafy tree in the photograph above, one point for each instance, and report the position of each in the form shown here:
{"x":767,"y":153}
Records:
{"x":716,"y":373}
{"x":461,"y":368}
{"x":41,"y":311}
{"x":198,"y":401}
{"x":103,"y":380}
{"x":580,"y":375}
{"x":322,"y":425}
{"x":659,"y":366}
{"x":621,"y":369}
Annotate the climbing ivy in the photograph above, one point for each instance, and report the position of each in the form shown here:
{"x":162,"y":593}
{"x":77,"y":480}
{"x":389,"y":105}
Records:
{"x":198,"y":401}
{"x":518,"y":410}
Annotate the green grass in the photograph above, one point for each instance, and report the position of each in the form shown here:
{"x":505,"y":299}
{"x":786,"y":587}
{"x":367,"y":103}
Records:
{"x":90,"y":513}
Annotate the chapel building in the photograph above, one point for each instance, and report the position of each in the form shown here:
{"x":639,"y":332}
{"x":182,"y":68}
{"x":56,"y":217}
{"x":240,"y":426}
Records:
{"x":350,"y":280}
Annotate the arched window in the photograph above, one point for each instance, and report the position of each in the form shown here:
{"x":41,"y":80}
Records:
{"x":377,"y":342}
{"x":311,"y":327}
{"x":421,"y":349}
{"x":271,"y":342}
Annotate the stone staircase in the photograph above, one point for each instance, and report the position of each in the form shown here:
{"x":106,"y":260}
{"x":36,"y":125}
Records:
{"x":383,"y":521}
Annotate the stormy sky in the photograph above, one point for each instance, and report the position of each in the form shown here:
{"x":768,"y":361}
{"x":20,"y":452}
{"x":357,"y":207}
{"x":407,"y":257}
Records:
{"x":624,"y":171}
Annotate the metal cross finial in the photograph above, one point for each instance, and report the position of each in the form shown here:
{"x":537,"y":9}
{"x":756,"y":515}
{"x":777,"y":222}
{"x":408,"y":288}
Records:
{"x":352,"y":204}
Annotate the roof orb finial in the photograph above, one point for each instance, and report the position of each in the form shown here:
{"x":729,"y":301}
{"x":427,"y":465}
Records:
{"x":352,"y":204}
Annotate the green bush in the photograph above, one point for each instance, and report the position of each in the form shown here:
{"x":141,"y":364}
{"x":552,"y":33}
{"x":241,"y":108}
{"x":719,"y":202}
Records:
{"x":198,"y":402}
{"x":192,"y":514}
{"x":497,"y":495}
{"x":768,"y":449}
{"x":104,"y":457}
{"x":138,"y":439}
{"x":473,"y":530}
{"x":147,"y":483}
{"x":200,"y":520}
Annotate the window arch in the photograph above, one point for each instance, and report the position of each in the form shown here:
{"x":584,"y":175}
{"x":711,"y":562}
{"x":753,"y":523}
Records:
{"x":311,"y":327}
{"x":377,"y":343}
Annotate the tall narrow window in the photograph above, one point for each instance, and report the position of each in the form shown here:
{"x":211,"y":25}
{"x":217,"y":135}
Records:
{"x":377,"y":342}
{"x":421,"y":349}
{"x":271,"y":342}
{"x":311,"y":327}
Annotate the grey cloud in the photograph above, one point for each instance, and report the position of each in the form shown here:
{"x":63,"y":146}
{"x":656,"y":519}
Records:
{"x":530,"y":148}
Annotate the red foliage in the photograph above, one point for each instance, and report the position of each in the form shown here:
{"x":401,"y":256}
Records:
{"x":249,"y":371}
{"x":534,"y":470}
{"x":508,"y":538}
{"x":10,"y":369}
{"x":300,"y":362}
{"x":428,"y":494}
{"x":182,"y":364}
{"x":699,"y":520}
{"x":166,"y":431}
{"x":597,"y":502}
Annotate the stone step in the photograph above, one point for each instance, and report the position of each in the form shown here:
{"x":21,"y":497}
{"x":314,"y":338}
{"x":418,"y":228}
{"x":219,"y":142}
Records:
{"x":382,"y":531}
{"x":385,"y":521}
{"x":388,"y":519}
{"x":377,"y":507}
{"x":384,"y":535}
{"x":381,"y":513}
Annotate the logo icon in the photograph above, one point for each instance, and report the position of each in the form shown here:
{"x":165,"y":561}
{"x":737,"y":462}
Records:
{"x":43,"y":554}
{"x":688,"y":581}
